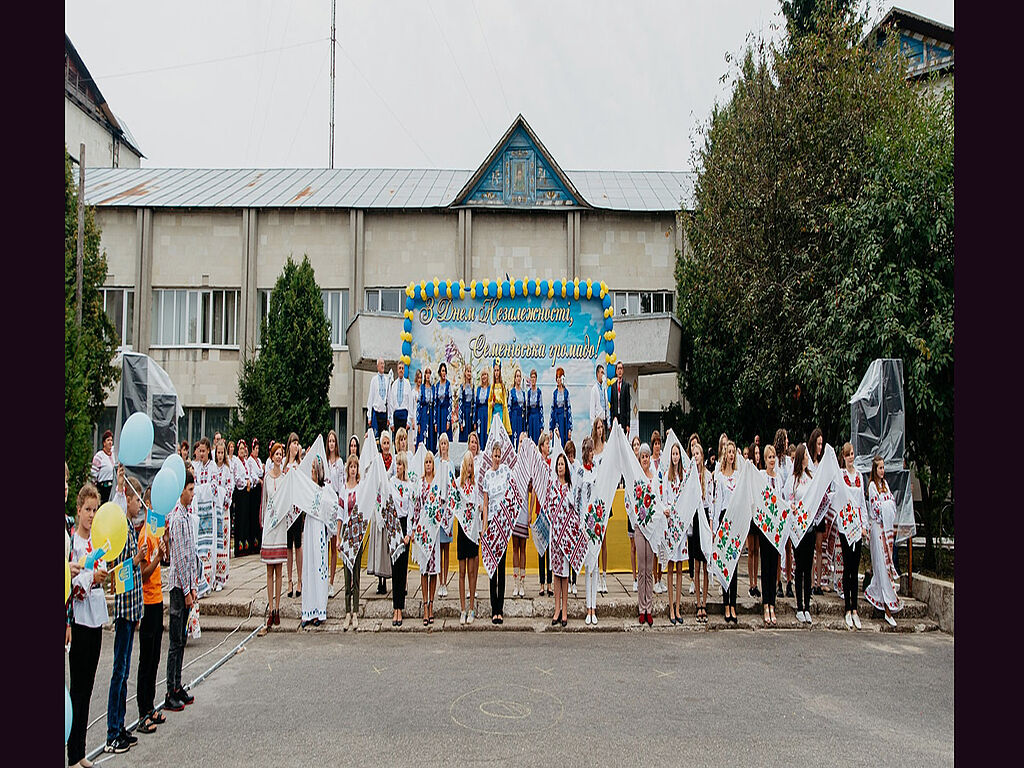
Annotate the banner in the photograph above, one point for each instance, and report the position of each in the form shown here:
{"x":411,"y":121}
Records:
{"x":524,"y":324}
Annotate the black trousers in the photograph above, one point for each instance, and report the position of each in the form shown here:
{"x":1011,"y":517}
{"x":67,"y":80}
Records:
{"x":544,"y":567}
{"x":105,"y":489}
{"x":498,"y":588}
{"x":769,"y":569}
{"x":729,"y":598}
{"x":804,"y":561}
{"x":380,"y":422}
{"x":151,"y":630}
{"x":851,"y":567}
{"x":177,"y":630}
{"x":240,"y":515}
{"x":84,"y":656}
{"x":400,"y":574}
{"x":255,"y":529}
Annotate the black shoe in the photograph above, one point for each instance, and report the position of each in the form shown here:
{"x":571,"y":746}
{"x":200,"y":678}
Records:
{"x":565,"y":622}
{"x":117,"y":746}
{"x":132,"y":740}
{"x":755,"y":592}
{"x":184,"y":696}
{"x":779,"y":592}
{"x":789,"y":589}
{"x":173,"y":704}
{"x":817,"y":591}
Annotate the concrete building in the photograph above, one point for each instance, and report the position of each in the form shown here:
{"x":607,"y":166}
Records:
{"x":927,"y":44}
{"x":89,"y":119}
{"x":193,"y":254}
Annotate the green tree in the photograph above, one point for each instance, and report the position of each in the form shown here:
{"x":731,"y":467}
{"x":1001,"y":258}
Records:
{"x":284,"y":388}
{"x":89,"y":372}
{"x":822,"y":238}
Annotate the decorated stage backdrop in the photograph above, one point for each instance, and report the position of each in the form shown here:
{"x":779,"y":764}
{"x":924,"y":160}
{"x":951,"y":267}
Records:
{"x":526,"y":324}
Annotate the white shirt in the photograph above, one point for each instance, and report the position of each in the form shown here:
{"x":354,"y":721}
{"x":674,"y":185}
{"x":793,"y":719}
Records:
{"x":398,"y":403}
{"x":240,"y":471}
{"x":103,"y":466}
{"x":255,"y":469}
{"x":90,"y":611}
{"x":377,"y":398}
{"x":598,"y":402}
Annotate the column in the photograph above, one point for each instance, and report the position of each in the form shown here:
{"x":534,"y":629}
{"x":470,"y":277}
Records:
{"x":143,"y":280}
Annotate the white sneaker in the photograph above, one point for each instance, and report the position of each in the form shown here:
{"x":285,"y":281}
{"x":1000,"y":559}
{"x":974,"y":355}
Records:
{"x":593,"y":621}
{"x":575,"y":591}
{"x":807,"y":617}
{"x":355,"y":621}
{"x":469,"y":617}
{"x":602,"y":585}
{"x":691,"y":587}
{"x":587,"y":620}
{"x":462,"y":618}
{"x":856,"y":621}
{"x":218,"y":588}
{"x":849,"y":620}
{"x":634,"y":585}
{"x":800,"y":616}
{"x":890,"y":620}
{"x":443,"y":591}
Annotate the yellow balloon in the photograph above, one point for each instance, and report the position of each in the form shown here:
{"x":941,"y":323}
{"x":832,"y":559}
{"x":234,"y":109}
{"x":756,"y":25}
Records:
{"x":110,"y":524}
{"x":67,"y":580}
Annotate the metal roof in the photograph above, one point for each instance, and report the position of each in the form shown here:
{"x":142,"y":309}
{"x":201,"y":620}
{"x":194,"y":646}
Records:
{"x":369,"y":188}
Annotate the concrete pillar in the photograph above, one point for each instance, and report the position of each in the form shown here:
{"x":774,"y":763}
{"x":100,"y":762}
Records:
{"x":466,"y":243}
{"x":357,"y":241}
{"x":249,"y":299}
{"x":143,"y":280}
{"x":572,"y":244}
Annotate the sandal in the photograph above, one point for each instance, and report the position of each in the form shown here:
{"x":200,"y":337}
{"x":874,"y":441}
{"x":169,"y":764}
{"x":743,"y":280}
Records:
{"x":146,"y":725}
{"x":157,"y":718}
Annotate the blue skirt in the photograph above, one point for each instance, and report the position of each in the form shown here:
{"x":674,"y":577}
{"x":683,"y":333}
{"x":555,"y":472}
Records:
{"x":441,"y":420}
{"x":466,"y":416}
{"x":561,"y":418}
{"x":481,"y":424}
{"x":515,"y":420}
{"x":534,"y":424}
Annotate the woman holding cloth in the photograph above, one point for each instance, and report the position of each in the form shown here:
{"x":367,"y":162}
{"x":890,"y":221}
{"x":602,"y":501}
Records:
{"x":378,"y":558}
{"x":769,"y":554}
{"x":725,"y":484}
{"x":495,"y":483}
{"x":851,"y":550}
{"x":403,"y":494}
{"x":467,"y":549}
{"x":882,"y":591}
{"x":696,"y":549}
{"x":274,"y":549}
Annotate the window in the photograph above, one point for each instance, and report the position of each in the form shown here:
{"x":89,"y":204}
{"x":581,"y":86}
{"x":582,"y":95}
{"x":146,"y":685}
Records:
{"x":119,"y":304}
{"x":195,"y":318}
{"x":108,"y":420}
{"x":643,"y":302}
{"x":200,"y":422}
{"x":648,"y":422}
{"x":341,"y":429}
{"x":384,"y":301}
{"x":336,"y":309}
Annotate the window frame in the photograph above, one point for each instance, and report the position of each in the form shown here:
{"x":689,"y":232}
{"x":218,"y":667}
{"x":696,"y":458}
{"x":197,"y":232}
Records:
{"x":379,"y":292}
{"x":202,"y":302}
{"x":127,"y":320}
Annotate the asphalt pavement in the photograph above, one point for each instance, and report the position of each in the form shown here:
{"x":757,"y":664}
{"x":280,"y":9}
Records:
{"x":725,"y":698}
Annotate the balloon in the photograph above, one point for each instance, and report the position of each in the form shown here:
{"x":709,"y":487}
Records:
{"x":406,"y":348}
{"x":67,"y":580}
{"x":111,"y":525}
{"x":136,"y":439}
{"x":67,"y":714}
{"x":177,"y":467}
{"x":165,"y":491}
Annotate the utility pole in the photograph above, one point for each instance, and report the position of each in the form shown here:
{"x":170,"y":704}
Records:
{"x":81,"y":233}
{"x":333,"y":42}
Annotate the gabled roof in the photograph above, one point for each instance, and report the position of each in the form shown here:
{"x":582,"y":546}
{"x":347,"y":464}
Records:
{"x":519,"y":172}
{"x":95,"y":96}
{"x":366,"y":188}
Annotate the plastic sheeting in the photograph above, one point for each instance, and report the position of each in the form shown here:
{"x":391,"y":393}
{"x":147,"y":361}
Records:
{"x":878,"y":426}
{"x":146,"y":388}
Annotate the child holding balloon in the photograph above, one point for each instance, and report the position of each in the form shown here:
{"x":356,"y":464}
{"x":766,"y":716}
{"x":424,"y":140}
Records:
{"x":151,"y":628}
{"x":90,"y":614}
{"x":184,"y":583}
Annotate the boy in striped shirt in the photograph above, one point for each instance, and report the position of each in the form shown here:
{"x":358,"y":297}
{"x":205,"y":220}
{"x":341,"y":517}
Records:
{"x":184,"y":583}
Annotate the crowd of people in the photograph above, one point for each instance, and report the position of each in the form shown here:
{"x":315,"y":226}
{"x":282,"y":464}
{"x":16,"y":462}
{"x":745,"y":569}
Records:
{"x":434,"y":414}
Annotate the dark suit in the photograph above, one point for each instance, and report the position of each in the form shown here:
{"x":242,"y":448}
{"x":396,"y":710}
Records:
{"x":620,"y":408}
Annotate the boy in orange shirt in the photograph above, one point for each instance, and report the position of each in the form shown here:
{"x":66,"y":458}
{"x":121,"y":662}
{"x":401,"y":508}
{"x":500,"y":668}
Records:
{"x":151,"y":628}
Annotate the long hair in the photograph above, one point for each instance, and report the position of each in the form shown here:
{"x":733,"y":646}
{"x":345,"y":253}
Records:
{"x":353,"y":461}
{"x":798,"y":464}
{"x":780,"y":444}
{"x":812,"y":445}
{"x":673,"y":475}
{"x":292,"y":438}
{"x":594,"y":429}
{"x":467,"y":472}
{"x":568,"y":472}
{"x":337,"y":448}
{"x":876,"y":478}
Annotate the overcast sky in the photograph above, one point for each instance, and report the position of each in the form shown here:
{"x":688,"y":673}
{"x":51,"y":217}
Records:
{"x":429,"y":84}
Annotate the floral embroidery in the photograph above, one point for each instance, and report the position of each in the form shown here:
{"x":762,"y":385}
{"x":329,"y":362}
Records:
{"x":644,"y":498}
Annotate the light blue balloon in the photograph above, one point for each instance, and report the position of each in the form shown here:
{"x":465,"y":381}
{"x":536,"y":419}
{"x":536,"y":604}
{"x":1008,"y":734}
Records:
{"x":136,"y":439}
{"x":165,"y":491}
{"x":67,"y":714}
{"x":177,"y":467}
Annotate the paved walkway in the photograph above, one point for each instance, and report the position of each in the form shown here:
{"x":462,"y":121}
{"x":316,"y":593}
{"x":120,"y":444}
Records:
{"x":244,"y":601}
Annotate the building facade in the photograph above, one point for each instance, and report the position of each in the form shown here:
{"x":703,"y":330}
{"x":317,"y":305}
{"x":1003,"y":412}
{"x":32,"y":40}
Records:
{"x":193,"y":255}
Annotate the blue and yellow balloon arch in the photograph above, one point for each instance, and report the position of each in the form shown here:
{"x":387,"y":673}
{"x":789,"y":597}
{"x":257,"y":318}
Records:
{"x":575,"y":290}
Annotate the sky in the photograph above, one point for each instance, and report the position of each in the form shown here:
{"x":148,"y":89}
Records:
{"x":429,"y":84}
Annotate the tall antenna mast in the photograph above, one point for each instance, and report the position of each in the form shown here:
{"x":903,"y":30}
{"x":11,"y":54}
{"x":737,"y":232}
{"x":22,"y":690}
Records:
{"x":333,"y":41}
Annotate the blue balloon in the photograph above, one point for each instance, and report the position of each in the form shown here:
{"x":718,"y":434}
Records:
{"x":557,"y":286}
{"x":430,"y":290}
{"x":607,"y":300}
{"x":67,"y":714}
{"x":609,"y":347}
{"x":136,"y":440}
{"x":165,"y":491}
{"x":406,"y":348}
{"x":407,"y":326}
{"x":608,"y":324}
{"x":506,"y":288}
{"x":544,"y":287}
{"x":492,"y":289}
{"x":531,"y":287}
{"x":177,"y":467}
{"x":410,"y":303}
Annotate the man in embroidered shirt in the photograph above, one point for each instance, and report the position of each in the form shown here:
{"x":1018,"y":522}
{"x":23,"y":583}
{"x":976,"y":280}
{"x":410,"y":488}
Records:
{"x":377,"y":400}
{"x":127,"y":613}
{"x":400,"y":399}
{"x":184,"y":583}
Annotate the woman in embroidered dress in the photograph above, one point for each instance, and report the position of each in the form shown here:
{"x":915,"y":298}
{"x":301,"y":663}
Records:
{"x":644,"y":551}
{"x":444,"y":535}
{"x":534,"y":409}
{"x":316,"y":534}
{"x":335,"y":479}
{"x":800,"y":484}
{"x":584,"y":489}
{"x":520,"y":535}
{"x":815,"y":449}
{"x":403,"y":494}
{"x":561,"y":409}
{"x":492,"y":493}
{"x":104,"y":463}
{"x":274,"y":549}
{"x":378,"y":558}
{"x":241,"y":484}
{"x":543,"y":563}
{"x":597,"y":434}
{"x":443,"y":404}
{"x":225,"y":487}
{"x":429,"y":492}
{"x":753,"y":537}
{"x":481,"y":399}
{"x":852,"y":550}
{"x":517,"y":409}
{"x":659,"y":587}
{"x":353,"y":447}
{"x":348,"y":508}
{"x":635,"y":443}
{"x":256,"y":470}
{"x":559,"y":506}
{"x":671,"y":488}
{"x":696,"y":550}
{"x":784,"y":468}
{"x":725,"y":484}
{"x":466,"y":404}
{"x":467,"y":549}
{"x":882,"y":591}
{"x":292,"y":457}
{"x":425,"y":410}
{"x":769,"y":554}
